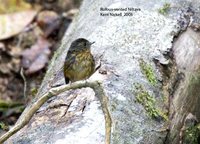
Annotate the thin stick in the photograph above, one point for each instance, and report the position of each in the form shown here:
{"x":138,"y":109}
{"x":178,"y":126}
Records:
{"x":25,"y":82}
{"x":30,"y":111}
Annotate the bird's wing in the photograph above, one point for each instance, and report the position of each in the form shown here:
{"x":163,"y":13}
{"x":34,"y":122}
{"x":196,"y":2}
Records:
{"x":69,"y":61}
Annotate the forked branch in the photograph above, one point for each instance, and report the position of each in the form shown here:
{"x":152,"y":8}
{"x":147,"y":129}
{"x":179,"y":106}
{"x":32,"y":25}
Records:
{"x":31,"y":110}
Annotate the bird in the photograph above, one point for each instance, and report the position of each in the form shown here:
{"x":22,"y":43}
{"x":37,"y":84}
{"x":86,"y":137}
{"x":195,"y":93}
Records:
{"x":79,"y":63}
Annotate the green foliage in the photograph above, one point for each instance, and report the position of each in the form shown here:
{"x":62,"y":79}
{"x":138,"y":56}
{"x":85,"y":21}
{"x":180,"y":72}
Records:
{"x":148,"y":101}
{"x":147,"y":70}
{"x":34,"y":91}
{"x":9,"y":104}
{"x":3,"y":126}
{"x":192,"y":134}
{"x":164,"y":9}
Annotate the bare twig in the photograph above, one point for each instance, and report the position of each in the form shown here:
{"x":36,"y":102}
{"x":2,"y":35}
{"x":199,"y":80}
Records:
{"x":25,"y":83}
{"x":30,"y":111}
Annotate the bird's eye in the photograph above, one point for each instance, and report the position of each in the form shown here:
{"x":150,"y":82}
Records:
{"x":85,"y":44}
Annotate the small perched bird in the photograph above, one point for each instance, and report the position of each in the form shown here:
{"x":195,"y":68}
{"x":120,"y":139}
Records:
{"x":79,"y":62}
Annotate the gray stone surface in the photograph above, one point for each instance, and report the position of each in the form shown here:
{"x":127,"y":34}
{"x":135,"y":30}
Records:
{"x":124,"y":41}
{"x":187,"y":95}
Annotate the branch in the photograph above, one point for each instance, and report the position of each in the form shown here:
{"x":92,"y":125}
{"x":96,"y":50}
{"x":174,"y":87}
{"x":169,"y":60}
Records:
{"x":25,"y":82}
{"x":30,"y":111}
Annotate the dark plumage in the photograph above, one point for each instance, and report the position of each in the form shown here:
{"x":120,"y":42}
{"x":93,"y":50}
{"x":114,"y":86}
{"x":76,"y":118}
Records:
{"x":79,"y":62}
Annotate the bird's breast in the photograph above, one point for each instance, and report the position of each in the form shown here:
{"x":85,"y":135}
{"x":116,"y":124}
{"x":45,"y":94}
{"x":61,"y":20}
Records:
{"x":82,"y":67}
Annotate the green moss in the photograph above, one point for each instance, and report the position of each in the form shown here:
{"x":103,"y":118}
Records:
{"x":34,"y":91}
{"x":9,"y":104}
{"x":148,"y":101}
{"x":164,"y":9}
{"x":3,"y":126}
{"x":147,"y":70}
{"x":192,"y":134}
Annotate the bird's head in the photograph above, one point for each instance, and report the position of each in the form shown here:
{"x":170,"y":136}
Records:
{"x":80,"y":44}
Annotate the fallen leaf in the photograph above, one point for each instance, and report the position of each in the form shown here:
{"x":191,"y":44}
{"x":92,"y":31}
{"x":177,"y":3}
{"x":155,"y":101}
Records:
{"x":5,"y":59}
{"x":49,"y":21}
{"x":2,"y":47}
{"x":4,"y":68}
{"x":15,"y":65}
{"x":15,"y":51}
{"x":26,"y":38}
{"x":12,"y":24}
{"x":8,"y":6}
{"x":35,"y":58}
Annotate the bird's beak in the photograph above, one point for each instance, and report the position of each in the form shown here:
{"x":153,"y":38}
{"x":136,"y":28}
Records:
{"x":92,"y":43}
